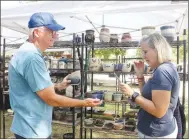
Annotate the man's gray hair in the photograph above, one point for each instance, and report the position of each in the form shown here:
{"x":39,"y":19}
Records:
{"x":31,"y":30}
{"x":159,"y":43}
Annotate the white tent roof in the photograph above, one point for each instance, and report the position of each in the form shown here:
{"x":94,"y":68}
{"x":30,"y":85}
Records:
{"x":71,"y":14}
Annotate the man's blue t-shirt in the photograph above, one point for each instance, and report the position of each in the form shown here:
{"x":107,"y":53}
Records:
{"x":165,"y":77}
{"x":27,"y":75}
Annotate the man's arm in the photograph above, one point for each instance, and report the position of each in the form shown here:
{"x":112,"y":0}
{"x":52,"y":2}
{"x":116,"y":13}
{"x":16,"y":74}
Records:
{"x":49,"y":96}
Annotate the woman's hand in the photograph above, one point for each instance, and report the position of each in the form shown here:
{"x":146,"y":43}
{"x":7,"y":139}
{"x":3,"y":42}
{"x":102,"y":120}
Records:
{"x":126,"y":89}
{"x":139,"y":69}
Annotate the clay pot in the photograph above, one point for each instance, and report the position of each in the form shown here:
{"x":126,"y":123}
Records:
{"x":54,"y":63}
{"x":69,"y":64}
{"x":69,"y":116}
{"x":89,"y":37}
{"x":68,"y":136}
{"x":113,"y":38}
{"x":88,"y":122}
{"x":118,"y":67}
{"x":108,"y":96}
{"x":168,"y":32}
{"x":118,"y":126}
{"x":147,"y":30}
{"x":131,"y":114}
{"x":75,"y":80}
{"x":130,"y":127}
{"x":94,"y":61}
{"x":99,"y":95}
{"x":59,"y":115}
{"x":99,"y":122}
{"x":117,"y":97}
{"x":95,"y":68}
{"x":61,"y":63}
{"x":126,"y":67}
{"x":126,"y":37}
{"x":108,"y":67}
{"x":108,"y":126}
{"x":104,"y":35}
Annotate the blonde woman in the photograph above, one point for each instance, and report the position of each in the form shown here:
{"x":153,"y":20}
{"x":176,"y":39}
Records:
{"x":159,"y":95}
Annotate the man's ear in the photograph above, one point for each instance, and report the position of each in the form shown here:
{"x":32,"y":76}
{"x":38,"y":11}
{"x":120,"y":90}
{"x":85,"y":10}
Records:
{"x":35,"y":32}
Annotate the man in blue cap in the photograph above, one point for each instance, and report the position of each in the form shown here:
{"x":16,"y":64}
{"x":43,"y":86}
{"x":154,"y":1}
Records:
{"x":32,"y":94}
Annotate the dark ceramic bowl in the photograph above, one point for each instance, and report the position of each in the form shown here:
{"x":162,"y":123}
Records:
{"x":74,"y":80}
{"x":89,"y":122}
{"x":99,"y":122}
{"x":130,"y":127}
{"x":118,"y":126}
{"x":109,"y":126}
{"x":68,"y":136}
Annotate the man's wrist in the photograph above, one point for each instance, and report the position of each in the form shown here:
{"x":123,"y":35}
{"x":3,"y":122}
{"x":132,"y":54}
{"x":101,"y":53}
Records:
{"x":84,"y":103}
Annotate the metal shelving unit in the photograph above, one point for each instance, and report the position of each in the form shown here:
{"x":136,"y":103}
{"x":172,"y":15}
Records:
{"x":128,"y":45}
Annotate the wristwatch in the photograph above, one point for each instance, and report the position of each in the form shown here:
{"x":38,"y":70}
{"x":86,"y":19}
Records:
{"x":135,"y":94}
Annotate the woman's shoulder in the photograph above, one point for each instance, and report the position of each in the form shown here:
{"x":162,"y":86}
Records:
{"x":167,"y":67}
{"x":167,"y":70}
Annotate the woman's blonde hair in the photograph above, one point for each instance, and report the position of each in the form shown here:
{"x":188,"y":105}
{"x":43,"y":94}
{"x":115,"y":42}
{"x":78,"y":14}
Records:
{"x":159,"y":43}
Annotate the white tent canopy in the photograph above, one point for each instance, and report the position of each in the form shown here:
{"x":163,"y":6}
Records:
{"x":131,"y":15}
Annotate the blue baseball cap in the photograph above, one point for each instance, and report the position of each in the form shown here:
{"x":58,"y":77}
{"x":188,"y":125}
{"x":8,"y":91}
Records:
{"x":44,"y":19}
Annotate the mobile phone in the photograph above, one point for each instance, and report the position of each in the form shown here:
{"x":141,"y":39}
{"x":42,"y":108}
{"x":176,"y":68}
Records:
{"x":117,"y":77}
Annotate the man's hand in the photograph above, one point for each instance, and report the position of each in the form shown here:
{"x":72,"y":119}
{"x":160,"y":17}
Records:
{"x":89,"y":102}
{"x":64,"y":84}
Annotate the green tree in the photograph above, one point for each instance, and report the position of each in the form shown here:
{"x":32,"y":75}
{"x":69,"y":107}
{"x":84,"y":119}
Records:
{"x":139,"y":53}
{"x":181,"y":50}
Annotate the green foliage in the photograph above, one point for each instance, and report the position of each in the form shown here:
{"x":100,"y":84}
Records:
{"x":119,"y":51}
{"x":106,"y":53}
{"x":181,"y":50}
{"x":139,"y":53}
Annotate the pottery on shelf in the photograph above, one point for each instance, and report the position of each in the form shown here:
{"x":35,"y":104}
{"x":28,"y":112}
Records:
{"x":147,"y":30}
{"x":117,"y":97}
{"x":89,"y":37}
{"x":168,"y":32}
{"x":69,"y":116}
{"x":99,"y":122}
{"x":126,"y":37}
{"x":68,"y":136}
{"x":118,"y":126}
{"x":108,"y":126}
{"x":113,"y":38}
{"x":94,"y":61}
{"x":104,"y":35}
{"x":88,"y":122}
{"x":108,"y":67}
{"x":126,"y":67}
{"x":61,"y":63}
{"x":108,"y":96}
{"x":54,"y":63}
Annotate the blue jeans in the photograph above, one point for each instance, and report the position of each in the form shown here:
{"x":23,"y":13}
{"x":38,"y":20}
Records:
{"x":20,"y":137}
